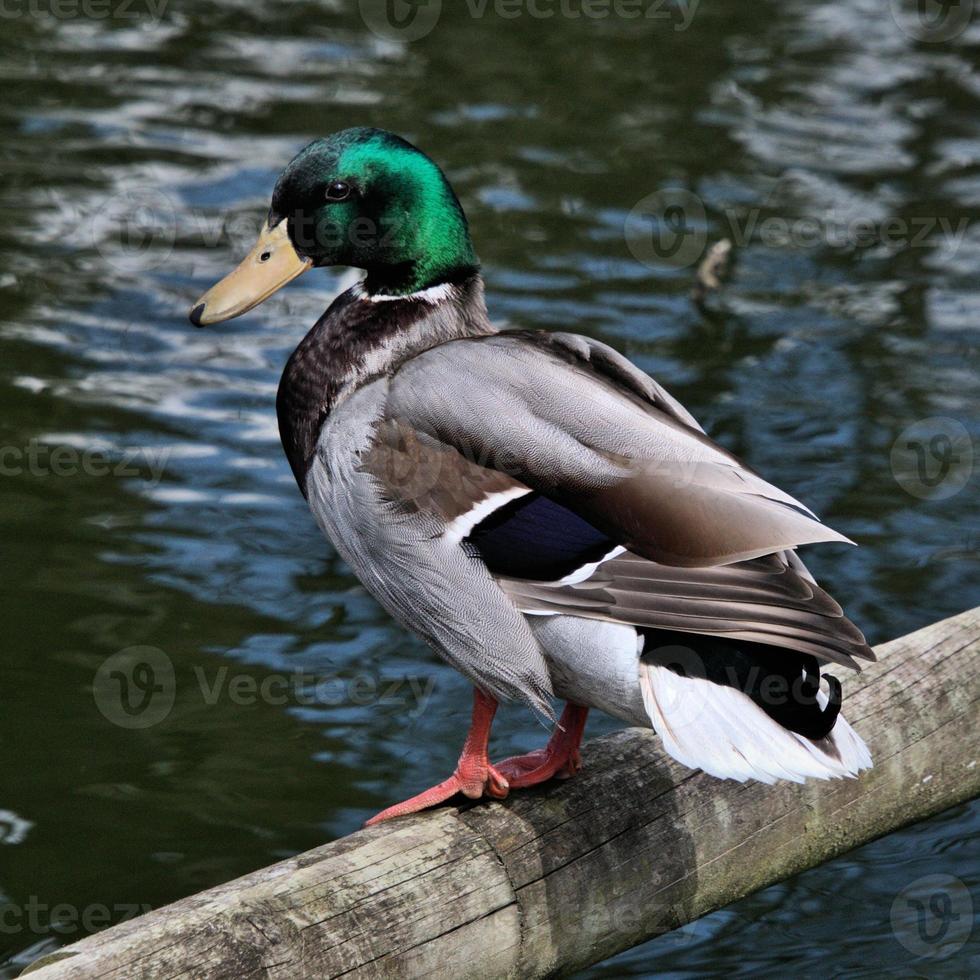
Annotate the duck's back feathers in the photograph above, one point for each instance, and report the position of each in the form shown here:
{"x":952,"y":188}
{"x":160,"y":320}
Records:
{"x":604,"y":442}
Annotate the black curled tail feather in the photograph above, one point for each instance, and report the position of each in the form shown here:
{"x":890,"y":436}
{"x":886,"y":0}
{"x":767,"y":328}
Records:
{"x":823,"y":726}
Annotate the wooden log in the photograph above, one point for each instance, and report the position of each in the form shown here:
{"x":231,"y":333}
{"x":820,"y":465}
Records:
{"x":568,"y":874}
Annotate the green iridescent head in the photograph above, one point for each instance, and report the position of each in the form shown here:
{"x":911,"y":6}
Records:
{"x":369,"y":199}
{"x":363,"y":198}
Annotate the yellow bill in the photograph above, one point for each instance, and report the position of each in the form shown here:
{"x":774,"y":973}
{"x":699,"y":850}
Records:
{"x":269,"y":266}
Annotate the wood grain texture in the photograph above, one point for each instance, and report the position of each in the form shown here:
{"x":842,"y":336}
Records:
{"x":568,"y":874}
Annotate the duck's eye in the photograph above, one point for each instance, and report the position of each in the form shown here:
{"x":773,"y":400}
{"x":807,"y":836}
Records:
{"x":339,"y":190}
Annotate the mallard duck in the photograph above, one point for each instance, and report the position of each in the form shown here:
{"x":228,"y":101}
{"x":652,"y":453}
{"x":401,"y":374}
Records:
{"x":541,"y":512}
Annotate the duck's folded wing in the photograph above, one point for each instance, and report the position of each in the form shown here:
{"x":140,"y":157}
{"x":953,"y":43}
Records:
{"x":770,"y":600}
{"x":574,"y":421}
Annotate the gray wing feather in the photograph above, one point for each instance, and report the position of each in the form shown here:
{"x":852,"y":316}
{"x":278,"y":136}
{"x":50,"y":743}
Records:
{"x":764,"y":600}
{"x":600,"y":438}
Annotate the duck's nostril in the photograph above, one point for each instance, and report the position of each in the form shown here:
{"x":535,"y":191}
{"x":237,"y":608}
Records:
{"x":265,"y":256}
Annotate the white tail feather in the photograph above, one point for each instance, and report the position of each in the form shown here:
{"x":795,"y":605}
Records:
{"x":722,"y":731}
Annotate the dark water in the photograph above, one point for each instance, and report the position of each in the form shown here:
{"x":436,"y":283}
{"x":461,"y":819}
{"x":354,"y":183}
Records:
{"x":145,"y":500}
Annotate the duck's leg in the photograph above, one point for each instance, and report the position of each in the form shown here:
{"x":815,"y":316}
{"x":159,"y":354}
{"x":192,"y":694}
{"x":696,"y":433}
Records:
{"x":474,"y":776}
{"x":559,"y":758}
